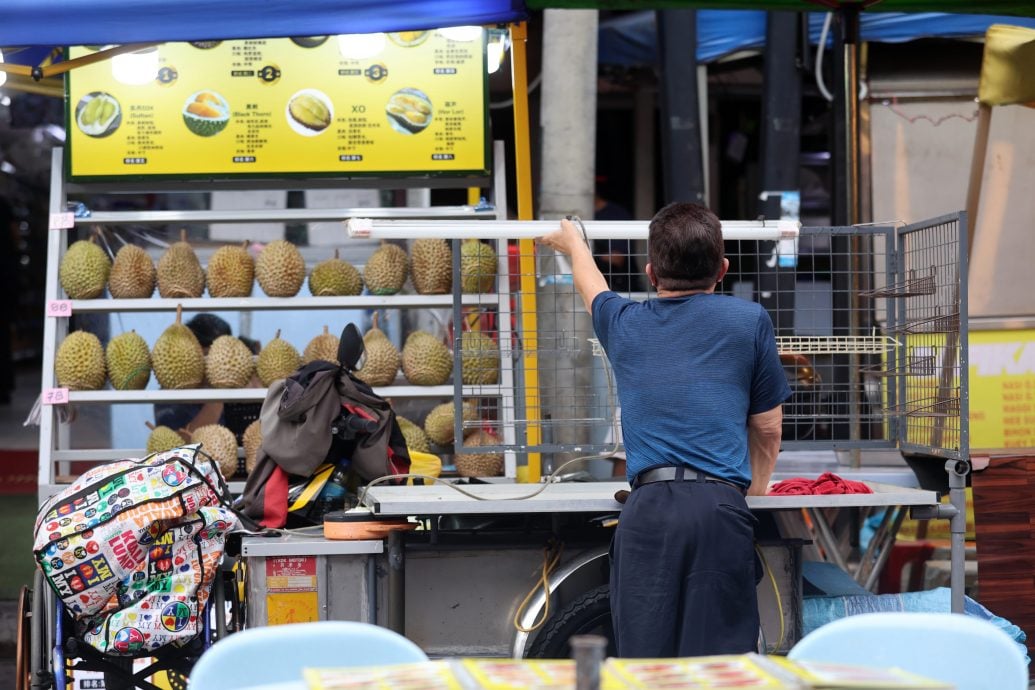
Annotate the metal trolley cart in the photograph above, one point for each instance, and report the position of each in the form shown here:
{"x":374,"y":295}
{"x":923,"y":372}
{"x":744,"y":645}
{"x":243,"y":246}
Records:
{"x":886,"y":372}
{"x":482,"y":573}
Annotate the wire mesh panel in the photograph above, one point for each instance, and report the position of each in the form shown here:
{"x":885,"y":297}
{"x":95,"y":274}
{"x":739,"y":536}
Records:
{"x":854,"y":318}
{"x":931,"y":326}
{"x":829,"y":326}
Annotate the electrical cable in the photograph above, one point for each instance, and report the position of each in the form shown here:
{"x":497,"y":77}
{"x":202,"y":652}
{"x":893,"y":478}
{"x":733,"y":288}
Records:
{"x":820,"y":49}
{"x":510,"y":101}
{"x":551,"y":557}
{"x":776,"y":593}
{"x":864,"y":88}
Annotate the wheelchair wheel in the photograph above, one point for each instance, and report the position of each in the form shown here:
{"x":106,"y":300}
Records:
{"x":41,"y":636}
{"x":24,"y":640}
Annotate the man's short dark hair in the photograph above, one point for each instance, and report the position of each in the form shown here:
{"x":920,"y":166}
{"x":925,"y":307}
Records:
{"x":684,"y":247}
{"x":207,"y":327}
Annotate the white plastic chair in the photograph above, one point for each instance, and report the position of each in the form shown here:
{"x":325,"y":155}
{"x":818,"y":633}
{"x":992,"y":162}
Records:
{"x":968,"y":652}
{"x":277,"y":654}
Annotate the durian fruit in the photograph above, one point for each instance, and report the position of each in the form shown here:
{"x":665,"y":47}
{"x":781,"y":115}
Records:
{"x":79,"y":363}
{"x":425,"y":360}
{"x":478,"y":266}
{"x":280,"y":269}
{"x":251,"y":439}
{"x":229,"y":363}
{"x":485,"y":464}
{"x":386,"y":270}
{"x":177,"y":358}
{"x":132,"y":274}
{"x":323,"y":347}
{"x":335,"y":278}
{"x":129,"y":362}
{"x":162,"y":438}
{"x":431,"y":266}
{"x":179,"y":271}
{"x":381,"y":363}
{"x":439,"y":422}
{"x":277,"y":360}
{"x":230,"y":272}
{"x":221,"y":444}
{"x":84,"y":269}
{"x":416,"y":438}
{"x":479,"y":359}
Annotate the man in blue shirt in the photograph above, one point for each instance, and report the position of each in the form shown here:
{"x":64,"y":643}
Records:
{"x":701,"y":388}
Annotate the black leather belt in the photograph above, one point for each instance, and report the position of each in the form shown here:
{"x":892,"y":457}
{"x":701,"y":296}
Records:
{"x":675,"y":474}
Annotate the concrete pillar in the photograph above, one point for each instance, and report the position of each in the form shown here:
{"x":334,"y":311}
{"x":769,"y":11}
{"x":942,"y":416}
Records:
{"x":569,"y":112}
{"x":568,"y":117}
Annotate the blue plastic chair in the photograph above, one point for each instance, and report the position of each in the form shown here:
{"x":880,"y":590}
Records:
{"x":968,"y":652}
{"x":277,"y":654}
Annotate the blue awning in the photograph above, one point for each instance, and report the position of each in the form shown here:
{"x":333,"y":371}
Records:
{"x":630,"y":40}
{"x":103,"y":22}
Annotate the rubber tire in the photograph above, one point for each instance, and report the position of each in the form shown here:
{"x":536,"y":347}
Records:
{"x":23,"y":657}
{"x":589,"y":613}
{"x":41,"y":636}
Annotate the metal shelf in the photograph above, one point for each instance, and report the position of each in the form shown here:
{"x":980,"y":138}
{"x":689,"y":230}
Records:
{"x":257,"y":394}
{"x":285,"y":215}
{"x":530,"y":229}
{"x":404,"y":301}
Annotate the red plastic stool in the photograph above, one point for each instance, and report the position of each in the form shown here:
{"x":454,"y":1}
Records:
{"x":914,"y":554}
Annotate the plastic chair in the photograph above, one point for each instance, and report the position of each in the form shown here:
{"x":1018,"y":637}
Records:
{"x":968,"y":652}
{"x":277,"y":654}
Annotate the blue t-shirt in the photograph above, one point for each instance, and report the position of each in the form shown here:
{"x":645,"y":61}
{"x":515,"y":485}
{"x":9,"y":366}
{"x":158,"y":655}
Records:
{"x":690,"y":370}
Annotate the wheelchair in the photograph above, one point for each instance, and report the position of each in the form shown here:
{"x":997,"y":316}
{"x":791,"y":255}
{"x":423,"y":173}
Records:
{"x":49,"y":654}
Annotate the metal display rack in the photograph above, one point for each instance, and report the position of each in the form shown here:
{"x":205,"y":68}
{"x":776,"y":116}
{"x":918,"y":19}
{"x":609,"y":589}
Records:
{"x":55,"y":451}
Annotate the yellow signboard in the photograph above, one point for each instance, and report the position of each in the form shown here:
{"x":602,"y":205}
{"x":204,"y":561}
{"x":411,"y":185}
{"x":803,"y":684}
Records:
{"x":415,"y":105}
{"x":1002,"y":389}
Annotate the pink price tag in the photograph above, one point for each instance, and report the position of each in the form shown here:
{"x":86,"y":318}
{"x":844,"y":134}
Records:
{"x":55,"y":396}
{"x":62,"y":221}
{"x":59,"y":308}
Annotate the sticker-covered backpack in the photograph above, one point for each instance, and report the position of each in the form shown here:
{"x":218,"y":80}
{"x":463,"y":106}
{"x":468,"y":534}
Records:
{"x":132,"y":548}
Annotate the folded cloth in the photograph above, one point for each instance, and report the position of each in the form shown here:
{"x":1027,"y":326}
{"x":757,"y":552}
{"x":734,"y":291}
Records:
{"x":826,"y":483}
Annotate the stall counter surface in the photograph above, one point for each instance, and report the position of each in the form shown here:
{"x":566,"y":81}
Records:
{"x":579,"y":497}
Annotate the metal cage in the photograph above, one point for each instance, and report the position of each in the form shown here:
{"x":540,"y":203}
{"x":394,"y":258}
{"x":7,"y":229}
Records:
{"x":867,"y":321}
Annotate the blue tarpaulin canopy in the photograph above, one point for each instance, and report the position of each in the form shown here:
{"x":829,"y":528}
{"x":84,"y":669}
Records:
{"x":629,"y":40}
{"x":87,"y":22}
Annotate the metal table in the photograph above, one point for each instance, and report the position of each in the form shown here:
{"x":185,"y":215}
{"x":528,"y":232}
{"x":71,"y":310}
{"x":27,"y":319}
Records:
{"x":588,"y":497}
{"x":572,"y":497}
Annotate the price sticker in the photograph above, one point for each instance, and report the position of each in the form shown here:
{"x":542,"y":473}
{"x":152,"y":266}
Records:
{"x":59,"y":308}
{"x":62,"y":221}
{"x":55,"y":396}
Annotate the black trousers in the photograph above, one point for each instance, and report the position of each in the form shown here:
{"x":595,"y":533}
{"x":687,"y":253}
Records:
{"x":683,"y":572}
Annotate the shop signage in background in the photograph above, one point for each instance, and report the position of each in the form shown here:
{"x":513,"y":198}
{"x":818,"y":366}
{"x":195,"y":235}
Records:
{"x":409,"y":103}
{"x":1002,"y":389}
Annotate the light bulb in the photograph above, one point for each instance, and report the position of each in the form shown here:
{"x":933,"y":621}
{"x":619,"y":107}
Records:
{"x":3,"y":75}
{"x":494,"y":52}
{"x":360,"y":46}
{"x":135,"y":69}
{"x":462,"y":33}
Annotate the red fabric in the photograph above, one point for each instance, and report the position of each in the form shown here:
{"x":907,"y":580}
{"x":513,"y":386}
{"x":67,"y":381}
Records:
{"x":274,"y":500}
{"x":826,"y":483}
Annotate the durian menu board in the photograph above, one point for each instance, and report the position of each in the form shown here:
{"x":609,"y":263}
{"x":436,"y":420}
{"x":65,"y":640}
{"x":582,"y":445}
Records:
{"x":417,"y":105}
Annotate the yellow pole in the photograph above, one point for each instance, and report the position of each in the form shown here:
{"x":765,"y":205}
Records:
{"x":44,"y":71}
{"x":474,"y":195}
{"x":526,"y":248}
